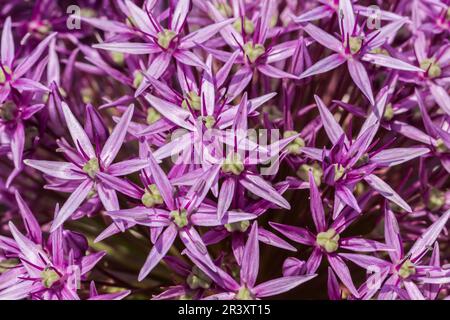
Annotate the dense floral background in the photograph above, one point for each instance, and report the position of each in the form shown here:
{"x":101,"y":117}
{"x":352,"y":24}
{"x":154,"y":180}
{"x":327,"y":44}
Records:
{"x":347,"y":198}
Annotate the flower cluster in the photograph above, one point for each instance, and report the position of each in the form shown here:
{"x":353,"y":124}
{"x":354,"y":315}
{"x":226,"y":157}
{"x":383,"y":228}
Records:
{"x":225,"y":149}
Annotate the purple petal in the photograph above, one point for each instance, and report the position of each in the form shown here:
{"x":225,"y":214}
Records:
{"x":79,"y":136}
{"x":386,"y":191}
{"x":280,"y":285}
{"x":361,"y":78}
{"x":30,"y":222}
{"x":343,"y":273}
{"x":329,"y":63}
{"x":250,"y":259}
{"x":7,"y":44}
{"x":158,"y":251}
{"x":72,"y":203}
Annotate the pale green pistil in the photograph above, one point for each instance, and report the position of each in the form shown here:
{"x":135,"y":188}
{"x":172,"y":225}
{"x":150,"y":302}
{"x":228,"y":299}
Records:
{"x":198,"y":279}
{"x":152,"y":115}
{"x":240,"y":226}
{"x":436,"y":199}
{"x":253,"y":51}
{"x":355,"y":44}
{"x":91,"y":167}
{"x":151,"y":196}
{"x":179,"y":217}
{"x":244,"y":294}
{"x":407,"y":269}
{"x":165,"y":37}
{"x":233,"y":164}
{"x":138,"y":77}
{"x":432,"y":67}
{"x":303,"y":173}
{"x":339,"y":171}
{"x":3,"y":73}
{"x":328,"y":240}
{"x":249,"y":26}
{"x":49,"y":277}
{"x":209,"y":121}
{"x":388,"y":112}
{"x":194,"y":101}
{"x":295,"y":146}
{"x":440,"y":146}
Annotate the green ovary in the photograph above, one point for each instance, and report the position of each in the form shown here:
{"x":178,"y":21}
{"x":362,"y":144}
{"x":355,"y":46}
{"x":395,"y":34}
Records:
{"x":224,"y":9}
{"x":198,"y":279}
{"x":249,"y":27}
{"x":138,"y":77}
{"x":240,"y":226}
{"x":3,"y":73}
{"x":440,"y":146}
{"x":193,"y":99}
{"x":209,"y":121}
{"x":165,"y":37}
{"x":152,"y":115}
{"x":388,"y":112}
{"x":436,"y":199}
{"x":151,"y":196}
{"x":91,"y":167}
{"x":303,"y":173}
{"x":233,"y":164}
{"x":49,"y":277}
{"x":355,"y":44}
{"x":407,"y":269}
{"x":329,"y":240}
{"x":295,"y":146}
{"x":432,"y":67}
{"x":339,"y":171}
{"x":244,"y":294}
{"x":179,"y":217}
{"x":253,"y":51}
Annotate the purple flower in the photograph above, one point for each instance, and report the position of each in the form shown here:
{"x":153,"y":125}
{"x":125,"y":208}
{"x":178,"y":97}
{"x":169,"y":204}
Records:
{"x":353,"y":47}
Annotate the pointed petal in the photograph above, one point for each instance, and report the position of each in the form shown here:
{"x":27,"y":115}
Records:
{"x":361,"y":78}
{"x":203,"y":34}
{"x":57,"y":169}
{"x":72,"y":203}
{"x":159,"y":250}
{"x":316,"y":206}
{"x":115,"y":140}
{"x":348,"y":17}
{"x":386,"y":191}
{"x":263,"y":189}
{"x":325,"y":39}
{"x":390,"y":62}
{"x":79,"y":136}
{"x":427,"y":239}
{"x":171,"y":112}
{"x":179,"y":15}
{"x":7,"y":44}
{"x":140,"y":18}
{"x":225,"y":197}
{"x":392,"y":235}
{"x":33,"y":57}
{"x":329,"y":63}
{"x":332,"y":128}
{"x":250,"y":259}
{"x":280,"y":285}
{"x":396,"y":156}
{"x":129,"y":47}
{"x":30,"y":222}
{"x":341,"y":270}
